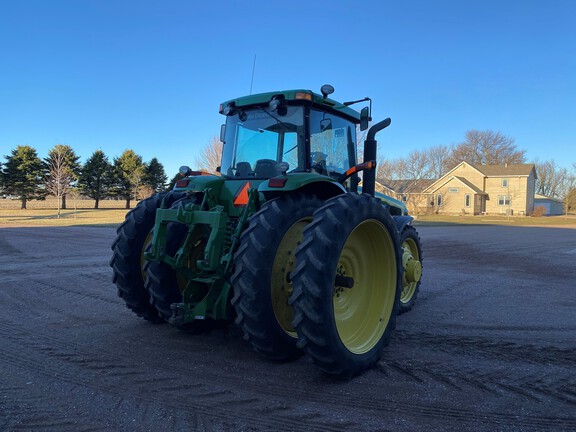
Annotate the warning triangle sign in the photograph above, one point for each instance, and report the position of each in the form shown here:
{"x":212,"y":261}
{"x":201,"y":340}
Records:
{"x":241,"y":198}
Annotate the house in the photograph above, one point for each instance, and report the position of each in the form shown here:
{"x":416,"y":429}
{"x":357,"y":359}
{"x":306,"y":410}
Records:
{"x":470,"y":189}
{"x":552,"y":206}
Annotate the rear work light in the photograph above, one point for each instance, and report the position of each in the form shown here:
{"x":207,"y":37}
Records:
{"x":303,"y":96}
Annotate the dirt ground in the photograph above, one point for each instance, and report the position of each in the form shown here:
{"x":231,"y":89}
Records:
{"x":490,"y":346}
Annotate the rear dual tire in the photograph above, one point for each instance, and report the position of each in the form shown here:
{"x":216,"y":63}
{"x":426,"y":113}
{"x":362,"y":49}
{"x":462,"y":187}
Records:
{"x":344,"y":330}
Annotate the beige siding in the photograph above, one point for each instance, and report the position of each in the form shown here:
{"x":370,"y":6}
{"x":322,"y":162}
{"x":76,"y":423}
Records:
{"x":454,"y":198}
{"x":510,"y":198}
{"x":471,"y":174}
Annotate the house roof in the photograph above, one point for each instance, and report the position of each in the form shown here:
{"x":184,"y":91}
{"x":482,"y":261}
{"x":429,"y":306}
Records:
{"x":462,"y":180}
{"x":539,"y":197}
{"x":406,"y":186}
{"x":471,"y":186}
{"x":505,"y":170}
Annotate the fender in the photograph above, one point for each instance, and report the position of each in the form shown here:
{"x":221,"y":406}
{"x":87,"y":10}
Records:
{"x":402,"y":222}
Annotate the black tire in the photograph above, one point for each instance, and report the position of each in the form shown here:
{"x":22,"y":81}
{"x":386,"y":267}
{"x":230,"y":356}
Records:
{"x":127,"y":260}
{"x":261,"y":279}
{"x":412,"y":265}
{"x":352,"y":241}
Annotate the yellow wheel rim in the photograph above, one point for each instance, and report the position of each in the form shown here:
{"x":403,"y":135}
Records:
{"x":412,"y":269}
{"x":362,"y":312}
{"x":280,"y":284}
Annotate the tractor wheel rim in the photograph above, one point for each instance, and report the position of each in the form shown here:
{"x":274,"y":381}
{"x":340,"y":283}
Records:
{"x":412,"y":269}
{"x":281,"y":284}
{"x":362,"y":312}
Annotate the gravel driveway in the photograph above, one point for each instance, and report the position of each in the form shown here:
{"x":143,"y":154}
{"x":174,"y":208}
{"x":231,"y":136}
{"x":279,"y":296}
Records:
{"x":489,"y":346}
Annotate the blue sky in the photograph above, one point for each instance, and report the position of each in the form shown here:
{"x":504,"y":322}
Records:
{"x":149,"y":75}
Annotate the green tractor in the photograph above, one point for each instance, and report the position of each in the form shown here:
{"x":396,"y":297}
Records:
{"x":283,"y":240}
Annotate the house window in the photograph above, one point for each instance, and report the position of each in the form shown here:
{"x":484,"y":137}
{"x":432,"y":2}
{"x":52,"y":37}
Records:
{"x":505,"y":182}
{"x":503,"y":200}
{"x":467,"y":200}
{"x":453,"y":190}
{"x":439,"y":200}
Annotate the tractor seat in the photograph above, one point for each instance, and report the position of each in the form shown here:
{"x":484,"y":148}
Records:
{"x":244,"y":169}
{"x":266,"y":168}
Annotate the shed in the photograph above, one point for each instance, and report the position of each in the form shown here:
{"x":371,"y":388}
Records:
{"x":553,"y":206}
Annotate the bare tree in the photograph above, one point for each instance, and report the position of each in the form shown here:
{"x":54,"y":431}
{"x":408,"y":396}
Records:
{"x":417,"y":165}
{"x":438,"y":158}
{"x":68,"y":161}
{"x":431,"y":163}
{"x":487,"y":148}
{"x":210,"y":156}
{"x":570,"y":201}
{"x":553,"y":181}
{"x":386,"y":169}
{"x":60,"y":175}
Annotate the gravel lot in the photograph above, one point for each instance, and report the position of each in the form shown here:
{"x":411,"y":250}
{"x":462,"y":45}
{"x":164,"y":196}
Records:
{"x":489,"y":346}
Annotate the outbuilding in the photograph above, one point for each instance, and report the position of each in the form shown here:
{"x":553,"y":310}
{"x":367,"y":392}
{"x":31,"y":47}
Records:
{"x":553,"y":206}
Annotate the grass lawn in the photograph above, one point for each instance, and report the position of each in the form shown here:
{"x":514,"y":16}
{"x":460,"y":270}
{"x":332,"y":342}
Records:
{"x":551,"y":221}
{"x":45,"y":213}
{"x":111,"y":213}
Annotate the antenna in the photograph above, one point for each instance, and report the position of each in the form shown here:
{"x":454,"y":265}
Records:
{"x":253,"y":69}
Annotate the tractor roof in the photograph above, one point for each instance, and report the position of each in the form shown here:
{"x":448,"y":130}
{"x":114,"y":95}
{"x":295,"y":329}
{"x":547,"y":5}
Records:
{"x":295,"y":97}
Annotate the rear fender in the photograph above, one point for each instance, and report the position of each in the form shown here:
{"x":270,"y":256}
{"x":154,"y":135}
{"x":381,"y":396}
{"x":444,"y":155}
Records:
{"x":322,"y":186}
{"x":402,"y":221}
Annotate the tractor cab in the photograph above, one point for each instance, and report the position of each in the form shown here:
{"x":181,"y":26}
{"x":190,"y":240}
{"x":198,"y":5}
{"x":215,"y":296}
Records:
{"x":296,"y":131}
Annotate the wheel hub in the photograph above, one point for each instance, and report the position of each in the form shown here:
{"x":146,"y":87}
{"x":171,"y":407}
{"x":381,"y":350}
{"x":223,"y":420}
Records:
{"x":413,"y":271}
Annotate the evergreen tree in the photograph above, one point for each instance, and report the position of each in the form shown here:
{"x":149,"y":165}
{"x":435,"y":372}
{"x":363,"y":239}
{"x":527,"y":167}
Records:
{"x":129,"y":175}
{"x":1,"y":178}
{"x":155,"y":176}
{"x":23,"y":175}
{"x":172,"y":183}
{"x":96,"y":177}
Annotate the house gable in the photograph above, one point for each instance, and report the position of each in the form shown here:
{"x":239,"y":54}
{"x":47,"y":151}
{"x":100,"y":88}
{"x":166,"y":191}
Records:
{"x":463,"y":169}
{"x":458,"y":180}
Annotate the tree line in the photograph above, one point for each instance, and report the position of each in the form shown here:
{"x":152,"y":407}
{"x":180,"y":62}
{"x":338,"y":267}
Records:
{"x":127,"y":177}
{"x":28,"y":177}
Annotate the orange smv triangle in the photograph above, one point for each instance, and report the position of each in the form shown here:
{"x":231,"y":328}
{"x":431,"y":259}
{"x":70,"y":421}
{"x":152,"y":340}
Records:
{"x":241,"y":198}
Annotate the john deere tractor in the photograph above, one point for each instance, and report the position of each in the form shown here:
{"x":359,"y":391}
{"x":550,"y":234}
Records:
{"x":284,"y":240}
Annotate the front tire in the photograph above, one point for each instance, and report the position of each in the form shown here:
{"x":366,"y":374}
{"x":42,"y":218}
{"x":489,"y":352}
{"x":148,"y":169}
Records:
{"x":347,"y":284}
{"x":261,"y":280}
{"x":412,"y":264}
